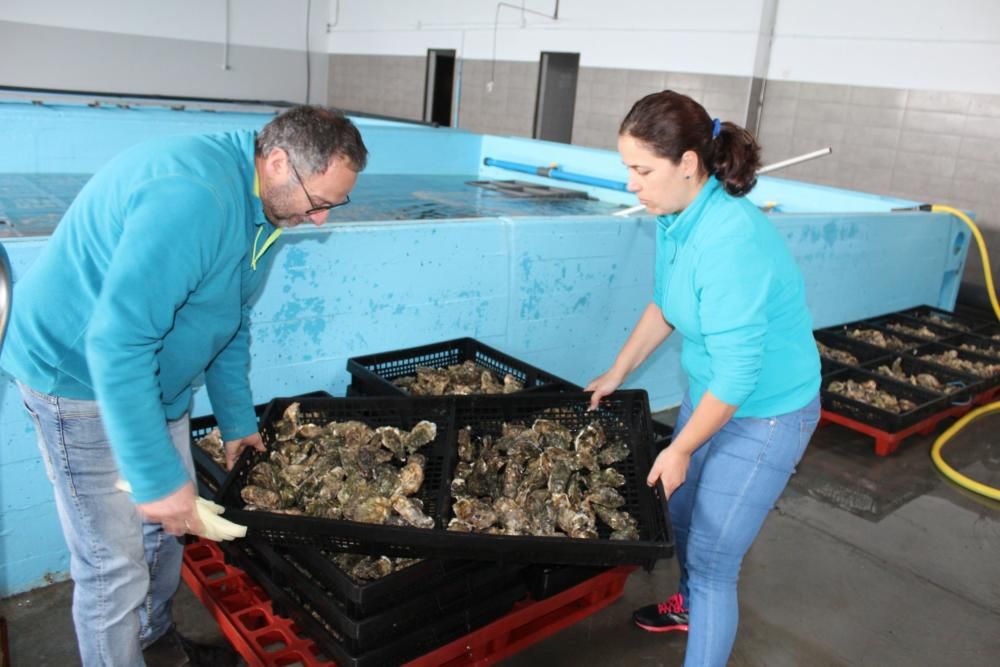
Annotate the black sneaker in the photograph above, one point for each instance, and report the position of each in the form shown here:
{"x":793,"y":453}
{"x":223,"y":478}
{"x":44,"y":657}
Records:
{"x":207,"y":655}
{"x":666,"y":616}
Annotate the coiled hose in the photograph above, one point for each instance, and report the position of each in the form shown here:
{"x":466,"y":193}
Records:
{"x":946,"y":470}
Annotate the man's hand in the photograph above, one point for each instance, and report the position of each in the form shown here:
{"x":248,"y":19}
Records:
{"x":235,"y":447}
{"x":176,"y":512}
{"x":670,"y":467}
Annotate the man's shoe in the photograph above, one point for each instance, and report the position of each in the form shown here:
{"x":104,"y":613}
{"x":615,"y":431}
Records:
{"x":166,"y":651}
{"x":666,"y":616}
{"x":207,"y":655}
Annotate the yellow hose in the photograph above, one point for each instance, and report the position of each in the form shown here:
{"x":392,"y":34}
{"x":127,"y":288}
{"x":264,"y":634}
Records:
{"x":947,"y":470}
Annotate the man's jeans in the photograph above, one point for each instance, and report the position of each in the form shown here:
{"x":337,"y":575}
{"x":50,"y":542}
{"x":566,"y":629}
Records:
{"x":732,"y":483}
{"x":125,"y":571}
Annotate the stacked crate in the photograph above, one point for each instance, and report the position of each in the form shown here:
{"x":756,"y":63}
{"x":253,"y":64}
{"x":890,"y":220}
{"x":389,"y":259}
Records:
{"x":417,"y":609}
{"x":914,"y":339}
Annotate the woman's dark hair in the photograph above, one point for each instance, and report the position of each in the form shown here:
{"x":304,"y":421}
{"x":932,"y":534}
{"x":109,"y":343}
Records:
{"x":312,"y":136}
{"x":670,"y":124}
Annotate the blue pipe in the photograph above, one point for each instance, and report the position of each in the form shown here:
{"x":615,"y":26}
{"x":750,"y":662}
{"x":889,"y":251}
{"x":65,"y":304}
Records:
{"x":557,"y":173}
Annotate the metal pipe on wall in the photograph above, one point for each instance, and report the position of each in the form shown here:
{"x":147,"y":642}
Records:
{"x":6,"y":288}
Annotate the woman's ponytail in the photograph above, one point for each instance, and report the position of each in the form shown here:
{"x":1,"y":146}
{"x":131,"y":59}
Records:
{"x":735,"y":159}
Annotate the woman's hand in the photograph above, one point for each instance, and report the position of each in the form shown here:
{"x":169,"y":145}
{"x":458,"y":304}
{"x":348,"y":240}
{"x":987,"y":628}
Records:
{"x":670,"y":467}
{"x":602,"y":386}
{"x":235,"y":447}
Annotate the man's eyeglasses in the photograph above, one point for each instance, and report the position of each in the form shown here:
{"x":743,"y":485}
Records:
{"x":315,"y":209}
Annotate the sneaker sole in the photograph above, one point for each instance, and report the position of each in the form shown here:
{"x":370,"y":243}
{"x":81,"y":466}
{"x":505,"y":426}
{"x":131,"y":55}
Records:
{"x":669,"y":628}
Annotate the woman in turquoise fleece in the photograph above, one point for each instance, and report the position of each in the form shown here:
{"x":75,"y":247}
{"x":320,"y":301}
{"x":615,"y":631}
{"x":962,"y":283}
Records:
{"x":726,"y":281}
{"x":143,"y":287}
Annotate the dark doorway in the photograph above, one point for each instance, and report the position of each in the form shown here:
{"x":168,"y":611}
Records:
{"x":439,"y":86}
{"x":557,"y":74}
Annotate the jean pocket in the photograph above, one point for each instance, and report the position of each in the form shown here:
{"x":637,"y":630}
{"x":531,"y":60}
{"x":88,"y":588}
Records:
{"x":41,"y":441}
{"x":806,"y":429}
{"x":89,"y":459}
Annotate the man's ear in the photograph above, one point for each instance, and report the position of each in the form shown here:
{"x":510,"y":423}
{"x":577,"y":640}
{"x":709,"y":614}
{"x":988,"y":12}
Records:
{"x":276,"y":164}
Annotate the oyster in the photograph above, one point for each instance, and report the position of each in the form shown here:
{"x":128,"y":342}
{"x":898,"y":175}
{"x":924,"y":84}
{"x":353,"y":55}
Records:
{"x":919,"y":332}
{"x":870,"y":393}
{"x":421,"y":434}
{"x":988,"y":350}
{"x":411,"y":477}
{"x":288,"y":425}
{"x":260,"y":498}
{"x":942,"y":321}
{"x":613,"y":453}
{"x":374,"y":509}
{"x":925,"y":380}
{"x":212,"y":445}
{"x":952,"y":358}
{"x":474,"y":512}
{"x":464,"y":378}
{"x":878,"y":339}
{"x":513,"y":517}
{"x":466,"y":450}
{"x":837,"y":355}
{"x":542,"y":480}
{"x":411,"y":510}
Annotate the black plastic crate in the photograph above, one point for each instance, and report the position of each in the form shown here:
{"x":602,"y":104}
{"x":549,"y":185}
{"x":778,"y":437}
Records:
{"x":288,"y":602}
{"x":927,"y":403}
{"x":939,"y":333}
{"x":342,"y":535}
{"x":411,"y":611}
{"x":909,"y":342}
{"x":862,"y":351}
{"x":544,"y":581}
{"x":662,"y":433}
{"x":363,"y":598}
{"x":958,"y":387}
{"x":372,"y":374}
{"x":991,"y":331}
{"x":988,"y":382}
{"x":943,"y":318}
{"x":983,"y":345}
{"x":625,"y":413}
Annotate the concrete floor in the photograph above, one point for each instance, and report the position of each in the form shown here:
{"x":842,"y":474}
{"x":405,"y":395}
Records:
{"x":865,"y":561}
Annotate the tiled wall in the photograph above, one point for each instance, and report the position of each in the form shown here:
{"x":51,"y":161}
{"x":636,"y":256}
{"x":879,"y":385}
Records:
{"x":604,"y":96}
{"x":509,"y":109}
{"x":386,"y":85}
{"x":929,"y":146}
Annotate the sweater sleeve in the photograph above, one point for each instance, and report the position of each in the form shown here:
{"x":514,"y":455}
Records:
{"x":227,"y":381}
{"x":732,"y":282}
{"x":172,"y":230}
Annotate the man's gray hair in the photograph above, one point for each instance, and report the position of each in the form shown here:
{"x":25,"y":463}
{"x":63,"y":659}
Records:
{"x":312,"y":136}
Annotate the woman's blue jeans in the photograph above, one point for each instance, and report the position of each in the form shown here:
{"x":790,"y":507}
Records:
{"x":125,"y":571}
{"x":732,"y":483}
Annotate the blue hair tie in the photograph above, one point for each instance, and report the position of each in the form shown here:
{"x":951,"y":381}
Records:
{"x":716,"y":127}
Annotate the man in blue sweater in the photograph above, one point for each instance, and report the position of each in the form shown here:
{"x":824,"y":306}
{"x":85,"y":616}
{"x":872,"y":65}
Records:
{"x":143,"y":287}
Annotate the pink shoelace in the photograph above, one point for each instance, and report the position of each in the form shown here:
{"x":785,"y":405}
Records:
{"x":673,"y":605}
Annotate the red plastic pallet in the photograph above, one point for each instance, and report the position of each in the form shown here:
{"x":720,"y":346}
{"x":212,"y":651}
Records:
{"x":886,"y":443}
{"x":264,"y":639}
{"x":243,"y":611}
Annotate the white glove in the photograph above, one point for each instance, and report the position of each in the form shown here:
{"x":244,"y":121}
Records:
{"x":217,"y":528}
{"x":214,"y":527}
